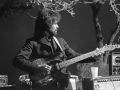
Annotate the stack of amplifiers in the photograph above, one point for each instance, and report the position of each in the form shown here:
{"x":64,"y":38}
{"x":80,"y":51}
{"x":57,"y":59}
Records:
{"x":101,"y":83}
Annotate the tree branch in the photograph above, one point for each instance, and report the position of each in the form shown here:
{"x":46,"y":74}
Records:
{"x":96,"y":7}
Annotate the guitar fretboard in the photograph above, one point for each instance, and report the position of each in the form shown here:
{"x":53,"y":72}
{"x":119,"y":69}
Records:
{"x":76,"y":59}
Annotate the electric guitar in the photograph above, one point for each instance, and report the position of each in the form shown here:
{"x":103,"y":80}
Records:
{"x":58,"y":66}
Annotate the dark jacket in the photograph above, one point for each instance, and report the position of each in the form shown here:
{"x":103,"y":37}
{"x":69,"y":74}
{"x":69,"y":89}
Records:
{"x":34,"y":49}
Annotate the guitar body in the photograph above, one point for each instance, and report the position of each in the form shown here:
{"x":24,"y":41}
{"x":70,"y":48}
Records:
{"x":44,"y":79}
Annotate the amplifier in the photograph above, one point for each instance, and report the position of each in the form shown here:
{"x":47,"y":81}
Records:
{"x":3,"y":80}
{"x":115,"y":64}
{"x":101,"y":83}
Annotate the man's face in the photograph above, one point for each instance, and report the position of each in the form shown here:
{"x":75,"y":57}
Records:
{"x":54,"y":28}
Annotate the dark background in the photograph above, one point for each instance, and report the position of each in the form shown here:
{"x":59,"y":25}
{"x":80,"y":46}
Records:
{"x":78,"y":32}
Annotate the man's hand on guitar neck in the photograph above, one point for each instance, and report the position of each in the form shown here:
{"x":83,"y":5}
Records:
{"x":98,"y":52}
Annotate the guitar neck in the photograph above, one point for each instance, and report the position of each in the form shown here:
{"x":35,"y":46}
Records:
{"x":76,"y":59}
{"x":87,"y":55}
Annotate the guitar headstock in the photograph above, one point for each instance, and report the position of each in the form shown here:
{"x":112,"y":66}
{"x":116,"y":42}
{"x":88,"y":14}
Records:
{"x":110,"y":47}
{"x":106,"y":48}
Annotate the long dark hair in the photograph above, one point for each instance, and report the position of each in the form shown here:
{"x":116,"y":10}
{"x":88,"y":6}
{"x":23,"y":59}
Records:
{"x":45,"y":19}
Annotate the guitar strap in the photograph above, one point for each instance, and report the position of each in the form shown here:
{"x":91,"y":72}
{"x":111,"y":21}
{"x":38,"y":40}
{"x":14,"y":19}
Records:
{"x":56,"y":40}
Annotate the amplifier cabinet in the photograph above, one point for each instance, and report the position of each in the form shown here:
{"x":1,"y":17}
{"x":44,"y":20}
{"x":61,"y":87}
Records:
{"x":115,"y":64}
{"x":101,"y":83}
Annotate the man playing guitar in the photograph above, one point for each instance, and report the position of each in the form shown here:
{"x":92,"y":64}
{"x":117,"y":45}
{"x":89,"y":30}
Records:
{"x":43,"y":55}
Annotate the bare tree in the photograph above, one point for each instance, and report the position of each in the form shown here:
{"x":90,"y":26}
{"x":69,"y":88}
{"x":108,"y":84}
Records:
{"x":101,"y":60}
